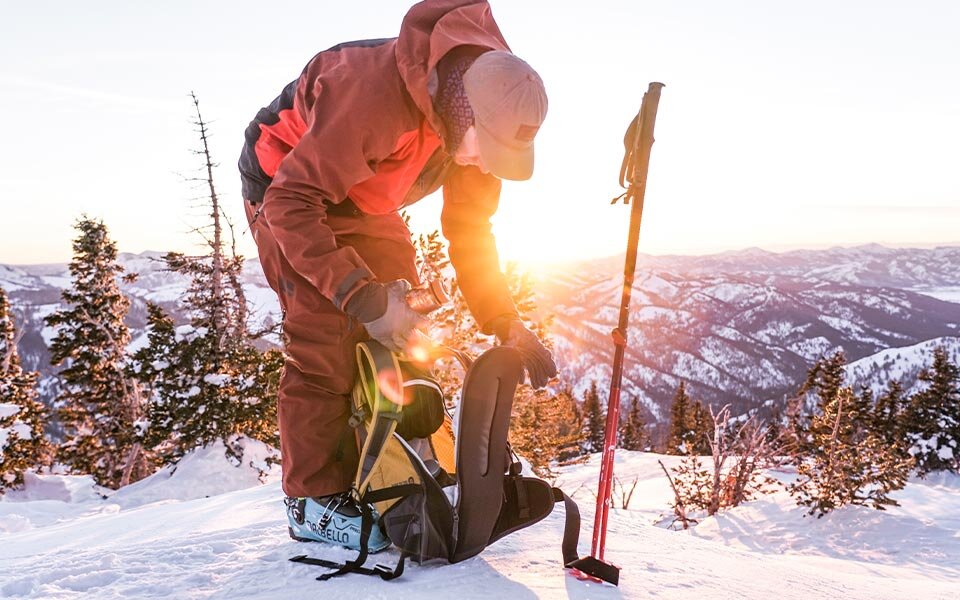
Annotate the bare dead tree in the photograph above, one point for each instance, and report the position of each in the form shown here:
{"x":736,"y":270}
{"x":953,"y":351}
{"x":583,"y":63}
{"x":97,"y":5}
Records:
{"x":216,"y":242}
{"x":626,"y":493}
{"x":748,"y":449}
{"x":233,"y":276}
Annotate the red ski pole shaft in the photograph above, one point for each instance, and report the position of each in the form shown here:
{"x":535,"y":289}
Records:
{"x":636,"y":165}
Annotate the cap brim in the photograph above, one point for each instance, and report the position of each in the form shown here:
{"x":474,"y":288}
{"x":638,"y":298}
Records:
{"x":504,"y":161}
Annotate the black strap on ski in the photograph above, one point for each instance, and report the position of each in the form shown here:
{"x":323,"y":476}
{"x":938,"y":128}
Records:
{"x":366,"y":525}
{"x":382,"y":571}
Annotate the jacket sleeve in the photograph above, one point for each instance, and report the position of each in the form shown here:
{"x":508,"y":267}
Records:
{"x":470,"y":198}
{"x":334,"y":154}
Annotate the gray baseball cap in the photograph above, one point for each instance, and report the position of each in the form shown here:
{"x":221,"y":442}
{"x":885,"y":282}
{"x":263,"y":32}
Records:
{"x":509,"y":104}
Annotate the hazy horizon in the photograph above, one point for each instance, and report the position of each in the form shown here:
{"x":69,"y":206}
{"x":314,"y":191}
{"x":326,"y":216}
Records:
{"x":810,"y":248}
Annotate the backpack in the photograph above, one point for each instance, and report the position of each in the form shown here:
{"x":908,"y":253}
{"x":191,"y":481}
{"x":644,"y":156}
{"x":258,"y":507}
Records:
{"x":439,"y":498}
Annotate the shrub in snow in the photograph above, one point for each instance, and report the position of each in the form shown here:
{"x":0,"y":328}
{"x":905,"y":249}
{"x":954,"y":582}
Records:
{"x":100,"y":401}
{"x":731,"y":474}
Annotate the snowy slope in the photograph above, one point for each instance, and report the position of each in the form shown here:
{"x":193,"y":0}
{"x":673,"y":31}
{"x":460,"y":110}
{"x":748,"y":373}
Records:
{"x":737,"y":327}
{"x":901,"y":364}
{"x":174,"y":542}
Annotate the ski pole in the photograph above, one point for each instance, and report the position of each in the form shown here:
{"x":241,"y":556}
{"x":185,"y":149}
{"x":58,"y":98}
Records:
{"x":638,"y":142}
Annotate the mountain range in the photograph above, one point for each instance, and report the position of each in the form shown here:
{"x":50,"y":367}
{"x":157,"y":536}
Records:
{"x":738,"y":327}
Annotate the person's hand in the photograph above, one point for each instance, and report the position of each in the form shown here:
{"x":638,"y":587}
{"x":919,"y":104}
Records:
{"x":394,"y":326}
{"x":535,"y":357}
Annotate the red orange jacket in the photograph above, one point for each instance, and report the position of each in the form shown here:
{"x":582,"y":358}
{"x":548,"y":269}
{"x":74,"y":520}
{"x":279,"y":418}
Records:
{"x":359,"y":125}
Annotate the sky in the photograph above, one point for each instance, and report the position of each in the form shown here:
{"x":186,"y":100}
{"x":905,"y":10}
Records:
{"x":782,"y":125}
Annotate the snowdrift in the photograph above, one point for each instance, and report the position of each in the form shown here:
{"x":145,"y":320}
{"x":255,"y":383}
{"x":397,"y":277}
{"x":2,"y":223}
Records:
{"x":210,"y":529}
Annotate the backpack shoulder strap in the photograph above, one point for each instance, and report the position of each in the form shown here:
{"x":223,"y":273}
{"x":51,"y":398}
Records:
{"x":483,"y":419}
{"x":571,"y":527}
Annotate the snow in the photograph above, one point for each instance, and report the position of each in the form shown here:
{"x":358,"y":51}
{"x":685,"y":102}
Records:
{"x":211,"y":530}
{"x":902,"y":364}
{"x":167,"y":293}
{"x":215,"y":379}
{"x":947,"y":294}
{"x":22,"y":431}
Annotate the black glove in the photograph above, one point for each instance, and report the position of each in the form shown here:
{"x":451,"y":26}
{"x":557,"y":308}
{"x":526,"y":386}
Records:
{"x":384,"y":312}
{"x":536,"y":358}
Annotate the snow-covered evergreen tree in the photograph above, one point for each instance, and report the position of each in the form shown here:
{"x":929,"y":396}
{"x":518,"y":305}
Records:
{"x":22,"y":417}
{"x":101,"y":405}
{"x":824,"y":379}
{"x":932,"y":419}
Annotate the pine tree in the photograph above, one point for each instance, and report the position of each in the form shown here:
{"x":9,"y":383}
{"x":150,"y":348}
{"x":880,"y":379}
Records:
{"x":887,"y":415}
{"x":700,"y":430}
{"x":932,"y":420}
{"x":633,"y":428}
{"x":824,"y":379}
{"x":849,"y":464}
{"x":22,"y":417}
{"x":594,"y":420}
{"x":794,"y":434}
{"x":208,"y":382}
{"x":681,"y":415}
{"x":544,"y":427}
{"x":827,"y":375}
{"x":775,"y":430}
{"x":101,"y":405}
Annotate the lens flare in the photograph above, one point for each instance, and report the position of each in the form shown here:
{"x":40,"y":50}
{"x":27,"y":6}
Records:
{"x":390,"y":387}
{"x":420,"y":348}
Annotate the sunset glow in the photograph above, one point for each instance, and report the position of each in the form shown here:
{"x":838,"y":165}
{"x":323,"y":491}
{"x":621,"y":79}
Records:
{"x":777,"y":127}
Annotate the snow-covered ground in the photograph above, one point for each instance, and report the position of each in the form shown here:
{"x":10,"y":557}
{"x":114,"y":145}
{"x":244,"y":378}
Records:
{"x":210,"y":530}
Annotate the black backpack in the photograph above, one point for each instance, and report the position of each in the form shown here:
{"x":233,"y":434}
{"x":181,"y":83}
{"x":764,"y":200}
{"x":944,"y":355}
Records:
{"x":439,"y":499}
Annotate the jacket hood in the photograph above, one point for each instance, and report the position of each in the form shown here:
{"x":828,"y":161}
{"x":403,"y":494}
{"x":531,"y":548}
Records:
{"x":430,"y":30}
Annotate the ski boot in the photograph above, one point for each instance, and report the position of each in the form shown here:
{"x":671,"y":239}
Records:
{"x":334,"y":519}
